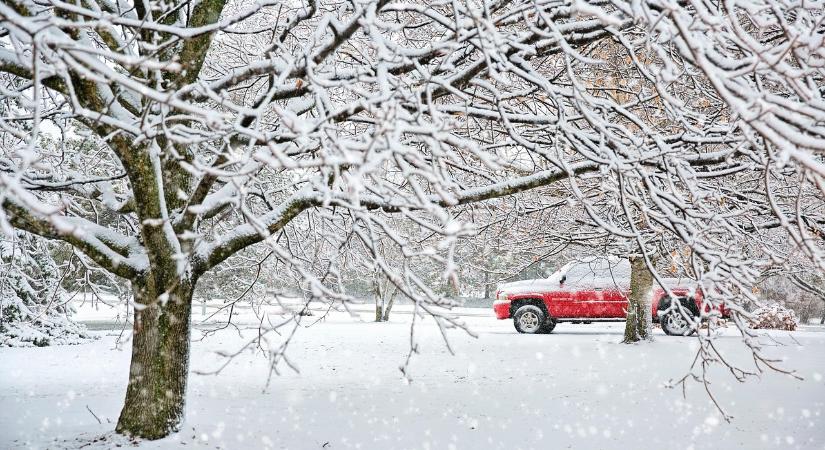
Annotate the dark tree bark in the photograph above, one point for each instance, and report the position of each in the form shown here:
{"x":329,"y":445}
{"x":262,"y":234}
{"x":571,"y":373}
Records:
{"x":385,"y":294}
{"x":638,"y":306}
{"x":154,"y":405}
{"x":379,"y":312}
{"x":388,"y":306}
{"x":379,"y":298}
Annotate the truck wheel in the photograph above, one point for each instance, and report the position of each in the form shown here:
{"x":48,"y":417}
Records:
{"x":529,"y":319}
{"x":678,"y":322}
{"x":548,"y":326}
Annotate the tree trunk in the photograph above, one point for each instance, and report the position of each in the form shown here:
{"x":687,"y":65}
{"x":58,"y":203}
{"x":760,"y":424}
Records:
{"x":154,"y":405}
{"x":387,"y":309}
{"x":379,"y":313}
{"x":822,"y":321}
{"x":638,"y":307}
{"x":379,"y":297}
{"x":486,"y":285}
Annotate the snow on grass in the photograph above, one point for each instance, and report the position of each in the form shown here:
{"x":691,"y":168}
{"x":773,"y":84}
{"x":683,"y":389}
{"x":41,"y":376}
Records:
{"x":113,"y":313}
{"x":577,"y":388}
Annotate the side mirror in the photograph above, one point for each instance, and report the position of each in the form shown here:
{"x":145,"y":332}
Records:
{"x":563,"y":278}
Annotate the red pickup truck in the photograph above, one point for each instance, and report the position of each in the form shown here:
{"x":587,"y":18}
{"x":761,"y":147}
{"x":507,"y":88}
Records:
{"x":595,"y":290}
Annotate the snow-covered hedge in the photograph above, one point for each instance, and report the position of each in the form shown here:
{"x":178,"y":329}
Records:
{"x":774,"y":317}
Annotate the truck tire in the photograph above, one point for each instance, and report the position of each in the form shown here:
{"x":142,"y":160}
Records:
{"x":677,"y":321}
{"x":548,"y":326}
{"x":529,"y":319}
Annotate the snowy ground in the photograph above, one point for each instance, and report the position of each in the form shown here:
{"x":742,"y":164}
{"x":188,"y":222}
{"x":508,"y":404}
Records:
{"x":576,"y":388}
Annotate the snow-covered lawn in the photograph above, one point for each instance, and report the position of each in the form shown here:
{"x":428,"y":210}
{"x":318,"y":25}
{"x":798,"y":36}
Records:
{"x":575,"y":388}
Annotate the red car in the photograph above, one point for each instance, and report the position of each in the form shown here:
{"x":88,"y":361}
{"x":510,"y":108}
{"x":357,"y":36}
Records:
{"x":594,"y":290}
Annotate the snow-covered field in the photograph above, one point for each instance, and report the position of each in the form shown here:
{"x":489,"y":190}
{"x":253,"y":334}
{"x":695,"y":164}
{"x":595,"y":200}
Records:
{"x":575,"y":388}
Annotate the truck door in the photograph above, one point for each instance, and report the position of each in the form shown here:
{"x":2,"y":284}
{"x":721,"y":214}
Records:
{"x":560,"y":303}
{"x":617,"y":305}
{"x":590,"y":302}
{"x":587,"y":296}
{"x":598,"y":289}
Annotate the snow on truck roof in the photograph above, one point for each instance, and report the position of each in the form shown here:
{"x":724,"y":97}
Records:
{"x":586,"y":272}
{"x":599,"y":268}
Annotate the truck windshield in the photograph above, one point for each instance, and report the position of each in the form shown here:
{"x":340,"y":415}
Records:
{"x":557,"y":276}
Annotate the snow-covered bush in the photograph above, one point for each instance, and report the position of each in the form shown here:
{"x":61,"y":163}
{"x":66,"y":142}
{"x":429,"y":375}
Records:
{"x":774,"y":317}
{"x":801,"y":290}
{"x":32,"y":308}
{"x":26,"y":325}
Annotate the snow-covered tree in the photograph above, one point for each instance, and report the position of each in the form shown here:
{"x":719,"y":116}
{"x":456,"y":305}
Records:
{"x":33,"y":305}
{"x":214,"y":126}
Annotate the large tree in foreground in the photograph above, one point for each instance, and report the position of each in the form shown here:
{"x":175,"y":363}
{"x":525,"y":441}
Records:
{"x":211,"y":126}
